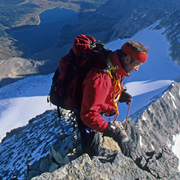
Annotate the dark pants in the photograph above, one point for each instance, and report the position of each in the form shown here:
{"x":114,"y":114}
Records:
{"x":89,"y":137}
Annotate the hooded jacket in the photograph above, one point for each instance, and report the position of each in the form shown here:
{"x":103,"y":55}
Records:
{"x":98,"y":95}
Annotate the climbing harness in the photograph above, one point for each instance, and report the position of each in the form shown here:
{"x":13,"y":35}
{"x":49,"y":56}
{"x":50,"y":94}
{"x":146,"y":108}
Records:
{"x":116,"y":85}
{"x":116,"y":90}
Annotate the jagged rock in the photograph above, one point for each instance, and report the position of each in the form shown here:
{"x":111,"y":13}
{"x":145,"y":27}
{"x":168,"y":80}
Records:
{"x":28,"y":144}
{"x":65,"y":150}
{"x":115,"y":166}
{"x":161,"y":120}
{"x":45,"y":164}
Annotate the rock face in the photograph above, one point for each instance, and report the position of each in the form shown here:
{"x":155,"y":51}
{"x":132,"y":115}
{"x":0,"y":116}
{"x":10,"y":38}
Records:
{"x":14,"y":69}
{"x":28,"y":144}
{"x":170,"y":23}
{"x":50,"y":148}
{"x":115,"y":166}
{"x":160,"y":120}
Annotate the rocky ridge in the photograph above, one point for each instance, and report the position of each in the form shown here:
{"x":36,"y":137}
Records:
{"x":161,"y":120}
{"x":52,"y":145}
{"x":115,"y":167}
{"x":153,"y":133}
{"x":25,"y":145}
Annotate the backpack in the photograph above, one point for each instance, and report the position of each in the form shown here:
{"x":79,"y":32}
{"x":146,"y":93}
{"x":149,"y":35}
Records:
{"x":66,"y":88}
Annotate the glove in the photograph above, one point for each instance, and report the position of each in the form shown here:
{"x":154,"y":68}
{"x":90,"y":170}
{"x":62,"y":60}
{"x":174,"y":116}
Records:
{"x":125,"y":97}
{"x":120,"y":136}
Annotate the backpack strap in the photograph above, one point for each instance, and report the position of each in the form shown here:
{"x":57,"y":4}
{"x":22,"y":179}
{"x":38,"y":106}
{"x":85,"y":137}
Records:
{"x":110,"y":68}
{"x":58,"y":111}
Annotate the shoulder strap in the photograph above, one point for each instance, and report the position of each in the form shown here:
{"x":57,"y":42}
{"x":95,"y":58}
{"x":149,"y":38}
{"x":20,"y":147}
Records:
{"x":110,"y":68}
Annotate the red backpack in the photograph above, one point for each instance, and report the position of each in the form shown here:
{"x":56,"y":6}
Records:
{"x":86,"y":53}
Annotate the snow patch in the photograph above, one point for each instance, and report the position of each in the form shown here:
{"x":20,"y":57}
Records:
{"x":176,"y":147}
{"x":142,"y":87}
{"x":172,"y":96}
{"x":173,"y":100}
{"x":143,"y":118}
{"x":152,"y":147}
{"x":22,"y":101}
{"x":140,"y":141}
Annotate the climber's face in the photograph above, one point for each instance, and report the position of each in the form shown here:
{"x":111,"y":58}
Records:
{"x":131,"y":64}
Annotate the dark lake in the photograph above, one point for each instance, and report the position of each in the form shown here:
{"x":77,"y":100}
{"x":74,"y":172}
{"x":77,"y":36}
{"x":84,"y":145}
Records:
{"x":46,"y":33}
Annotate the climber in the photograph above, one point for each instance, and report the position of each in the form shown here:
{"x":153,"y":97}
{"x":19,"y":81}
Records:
{"x":100,"y":93}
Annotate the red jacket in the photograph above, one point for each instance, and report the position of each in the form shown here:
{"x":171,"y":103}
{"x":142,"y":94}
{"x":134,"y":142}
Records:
{"x":98,"y":95}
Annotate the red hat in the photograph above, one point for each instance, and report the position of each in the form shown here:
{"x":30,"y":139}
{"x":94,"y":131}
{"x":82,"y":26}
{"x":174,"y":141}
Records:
{"x":139,"y":56}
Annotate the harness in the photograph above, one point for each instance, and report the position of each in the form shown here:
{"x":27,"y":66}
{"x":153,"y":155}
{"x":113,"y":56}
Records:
{"x":110,"y":70}
{"x":116,"y":88}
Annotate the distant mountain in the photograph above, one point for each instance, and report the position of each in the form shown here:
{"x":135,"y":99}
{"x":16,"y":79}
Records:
{"x":26,"y":149}
{"x":128,"y":18}
{"x":123,"y":19}
{"x":171,"y":24}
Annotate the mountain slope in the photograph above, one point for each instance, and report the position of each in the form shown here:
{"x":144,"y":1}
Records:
{"x":127,"y":19}
{"x":31,"y":144}
{"x":27,"y":144}
{"x":154,"y":134}
{"x":23,"y":100}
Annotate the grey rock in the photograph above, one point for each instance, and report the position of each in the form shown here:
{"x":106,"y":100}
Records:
{"x":53,"y":167}
{"x":45,"y":164}
{"x":160,"y":119}
{"x":115,"y":167}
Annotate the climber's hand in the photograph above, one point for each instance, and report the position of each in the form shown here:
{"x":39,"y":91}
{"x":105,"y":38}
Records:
{"x":120,"y":136}
{"x":125,"y":97}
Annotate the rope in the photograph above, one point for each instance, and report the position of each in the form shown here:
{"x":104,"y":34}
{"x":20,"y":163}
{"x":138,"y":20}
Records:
{"x":127,"y":115}
{"x":117,"y":90}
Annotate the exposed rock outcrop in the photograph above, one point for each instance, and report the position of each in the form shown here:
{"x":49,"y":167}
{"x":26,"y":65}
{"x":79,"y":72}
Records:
{"x":14,"y":69}
{"x":116,"y":166}
{"x":160,"y":121}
